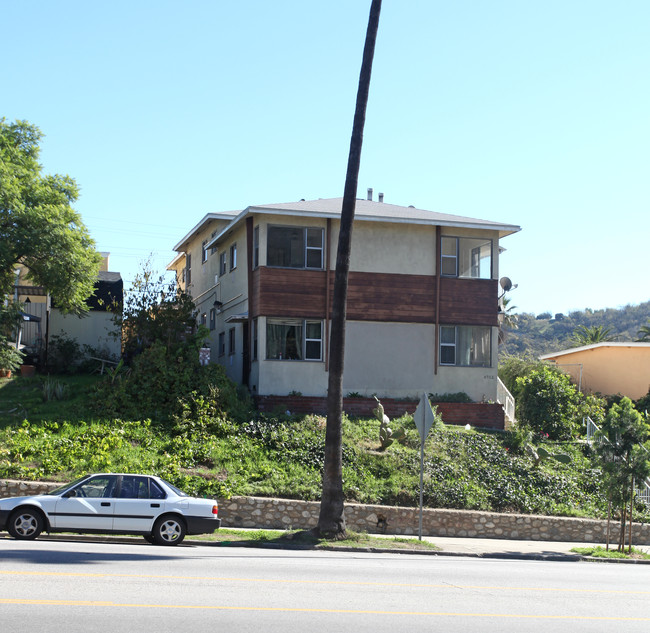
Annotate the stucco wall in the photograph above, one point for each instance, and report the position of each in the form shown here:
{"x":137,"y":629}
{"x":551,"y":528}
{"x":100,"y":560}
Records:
{"x":93,"y":329}
{"x":283,"y":514}
{"x":610,"y":369}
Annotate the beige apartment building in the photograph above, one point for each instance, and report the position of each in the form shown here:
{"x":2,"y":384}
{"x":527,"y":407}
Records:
{"x":422,"y":299}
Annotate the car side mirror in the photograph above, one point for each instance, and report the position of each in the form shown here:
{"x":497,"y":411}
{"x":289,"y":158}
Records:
{"x":70,"y":493}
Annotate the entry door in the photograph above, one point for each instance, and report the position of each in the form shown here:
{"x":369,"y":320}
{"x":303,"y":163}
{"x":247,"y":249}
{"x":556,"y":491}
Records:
{"x":88,"y":506}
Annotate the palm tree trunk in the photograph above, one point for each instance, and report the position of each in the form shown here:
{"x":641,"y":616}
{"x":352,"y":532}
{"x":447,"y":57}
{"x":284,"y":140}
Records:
{"x":331,"y":520}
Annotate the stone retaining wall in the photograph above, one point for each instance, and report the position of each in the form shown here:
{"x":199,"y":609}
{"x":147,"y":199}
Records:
{"x":284,"y":514}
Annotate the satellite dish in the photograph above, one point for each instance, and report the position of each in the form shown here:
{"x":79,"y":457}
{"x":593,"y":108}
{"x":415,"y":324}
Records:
{"x":505,"y":283}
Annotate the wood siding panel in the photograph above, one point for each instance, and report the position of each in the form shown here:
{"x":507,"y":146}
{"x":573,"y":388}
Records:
{"x":391,"y":297}
{"x":468,"y":301}
{"x":290,"y":293}
{"x":375,"y":297}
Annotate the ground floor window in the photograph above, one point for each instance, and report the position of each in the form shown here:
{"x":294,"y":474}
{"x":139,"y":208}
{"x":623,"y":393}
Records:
{"x":294,"y":339}
{"x":466,"y":345}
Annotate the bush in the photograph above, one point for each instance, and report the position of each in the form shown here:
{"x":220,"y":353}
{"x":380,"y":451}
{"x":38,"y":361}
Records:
{"x":547,"y":403}
{"x":10,"y":357}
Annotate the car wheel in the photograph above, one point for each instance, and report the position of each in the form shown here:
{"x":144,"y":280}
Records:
{"x":25,"y":524}
{"x":169,"y":530}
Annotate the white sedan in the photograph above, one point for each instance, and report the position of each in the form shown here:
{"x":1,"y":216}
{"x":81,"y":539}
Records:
{"x":110,"y":503}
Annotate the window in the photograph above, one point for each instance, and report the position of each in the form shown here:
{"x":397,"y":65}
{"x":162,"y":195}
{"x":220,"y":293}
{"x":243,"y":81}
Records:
{"x":204,"y":252}
{"x":213,"y":248}
{"x":222,"y":344}
{"x":188,"y":269}
{"x":466,"y":257}
{"x":213,"y":318}
{"x":233,"y":257}
{"x":254,"y":337}
{"x":466,"y":346}
{"x":231,"y":341}
{"x":256,"y":247}
{"x":134,"y":487}
{"x":222,"y":263}
{"x":204,"y":318}
{"x":294,"y":339}
{"x":294,"y":247}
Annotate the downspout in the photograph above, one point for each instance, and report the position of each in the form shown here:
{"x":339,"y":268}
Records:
{"x":251,"y":303}
{"x":437,"y":317}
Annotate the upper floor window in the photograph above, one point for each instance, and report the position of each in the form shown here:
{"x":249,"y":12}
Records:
{"x":188,"y":269}
{"x":204,"y":252}
{"x":213,"y":248}
{"x":213,"y":318}
{"x":294,"y":247}
{"x":469,"y":257}
{"x":222,"y":263}
{"x":233,"y":257}
{"x":221,"y":345}
{"x":294,"y":339}
{"x":465,"y":346}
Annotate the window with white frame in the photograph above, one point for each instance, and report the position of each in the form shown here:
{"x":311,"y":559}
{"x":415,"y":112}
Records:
{"x":467,"y":257}
{"x":294,"y":339}
{"x":294,"y":247}
{"x":233,"y":257}
{"x":222,"y":263}
{"x":204,"y":252}
{"x":466,"y":345}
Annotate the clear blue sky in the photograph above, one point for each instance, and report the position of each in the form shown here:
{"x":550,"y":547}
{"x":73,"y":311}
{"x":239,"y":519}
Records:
{"x":530,"y":113}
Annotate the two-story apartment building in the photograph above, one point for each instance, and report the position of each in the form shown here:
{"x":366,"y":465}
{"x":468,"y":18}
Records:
{"x":422,"y":311}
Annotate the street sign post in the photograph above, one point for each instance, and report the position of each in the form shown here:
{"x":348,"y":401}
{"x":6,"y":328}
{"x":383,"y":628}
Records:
{"x":424,"y":419}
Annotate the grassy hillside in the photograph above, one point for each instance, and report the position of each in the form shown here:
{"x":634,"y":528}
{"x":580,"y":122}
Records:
{"x":277,"y":455}
{"x":545,"y":333}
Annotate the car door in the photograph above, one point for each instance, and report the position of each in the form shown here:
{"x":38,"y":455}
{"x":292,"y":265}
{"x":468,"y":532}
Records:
{"x":88,"y":506}
{"x":140,"y":501}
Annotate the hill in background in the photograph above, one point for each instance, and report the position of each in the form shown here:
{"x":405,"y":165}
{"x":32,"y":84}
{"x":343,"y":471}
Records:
{"x":546,"y":332}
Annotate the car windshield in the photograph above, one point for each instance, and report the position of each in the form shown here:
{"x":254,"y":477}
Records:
{"x":174,"y":489}
{"x":64,"y":487}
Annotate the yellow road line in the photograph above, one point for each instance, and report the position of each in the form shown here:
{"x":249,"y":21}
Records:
{"x":452,"y":614}
{"x":322,"y":582}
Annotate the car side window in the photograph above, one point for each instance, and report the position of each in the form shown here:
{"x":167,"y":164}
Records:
{"x":102,"y":486}
{"x":134,"y":487}
{"x":155,"y":490}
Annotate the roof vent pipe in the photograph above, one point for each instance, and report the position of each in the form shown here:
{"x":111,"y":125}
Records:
{"x":381,"y":197}
{"x":369,"y":193}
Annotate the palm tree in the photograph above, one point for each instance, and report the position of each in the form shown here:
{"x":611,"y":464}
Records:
{"x":507,"y":318}
{"x":584,"y":335}
{"x":644,"y":333}
{"x":331,"y":519}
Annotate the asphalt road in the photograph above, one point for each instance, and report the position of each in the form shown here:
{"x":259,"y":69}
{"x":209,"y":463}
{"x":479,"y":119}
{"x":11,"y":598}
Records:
{"x":67,"y":586}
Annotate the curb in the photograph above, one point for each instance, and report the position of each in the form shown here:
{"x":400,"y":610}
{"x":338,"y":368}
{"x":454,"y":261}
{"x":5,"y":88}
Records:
{"x":557,"y":557}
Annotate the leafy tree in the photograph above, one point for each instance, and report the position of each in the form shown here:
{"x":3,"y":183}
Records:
{"x":331,"y":518}
{"x":549,"y":404}
{"x":584,"y":335}
{"x":156,"y":311}
{"x":38,"y":226}
{"x":625,"y":459}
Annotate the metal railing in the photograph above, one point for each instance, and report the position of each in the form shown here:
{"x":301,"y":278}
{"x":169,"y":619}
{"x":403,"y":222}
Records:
{"x":505,"y":398}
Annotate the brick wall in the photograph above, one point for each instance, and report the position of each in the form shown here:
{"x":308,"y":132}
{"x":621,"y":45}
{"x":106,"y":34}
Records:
{"x":477,"y":414}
